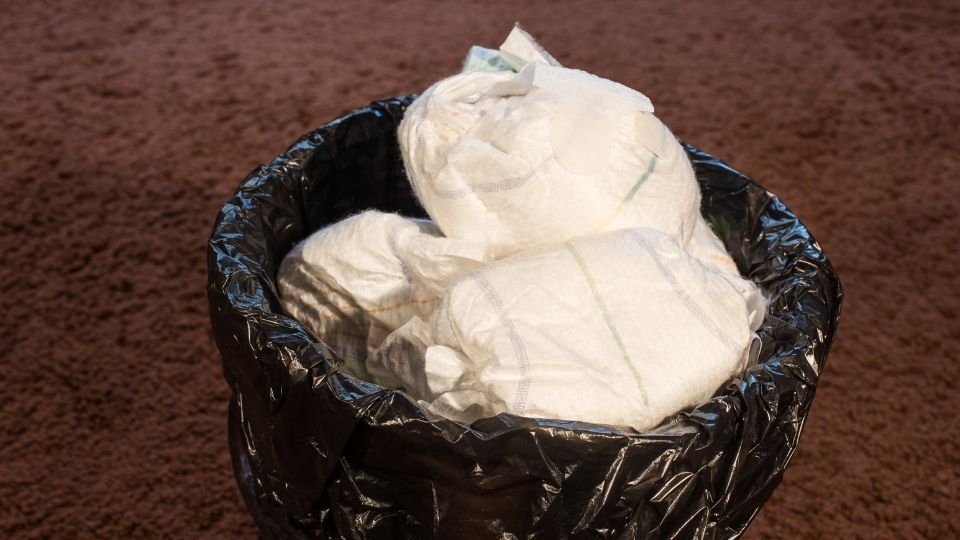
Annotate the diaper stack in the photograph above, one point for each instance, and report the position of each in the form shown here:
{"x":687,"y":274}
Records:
{"x":566,"y":271}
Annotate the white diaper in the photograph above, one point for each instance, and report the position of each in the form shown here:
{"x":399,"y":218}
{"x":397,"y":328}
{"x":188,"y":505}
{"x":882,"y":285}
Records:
{"x":519,"y":160}
{"x":356,"y":281}
{"x":621,"y":328}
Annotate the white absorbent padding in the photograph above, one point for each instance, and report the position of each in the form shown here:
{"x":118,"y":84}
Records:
{"x":354,"y":282}
{"x":707,"y":248}
{"x":622,"y":328}
{"x":523,"y":159}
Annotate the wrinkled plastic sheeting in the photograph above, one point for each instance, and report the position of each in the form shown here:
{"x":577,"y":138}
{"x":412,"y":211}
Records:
{"x":319,"y":453}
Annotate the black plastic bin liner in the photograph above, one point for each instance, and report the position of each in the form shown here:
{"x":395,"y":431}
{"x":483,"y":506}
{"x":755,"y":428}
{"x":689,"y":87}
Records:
{"x":319,"y":453}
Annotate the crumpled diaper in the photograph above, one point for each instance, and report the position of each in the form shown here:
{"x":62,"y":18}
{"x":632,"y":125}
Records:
{"x":621,"y":328}
{"x":354,"y":282}
{"x":522,"y":159}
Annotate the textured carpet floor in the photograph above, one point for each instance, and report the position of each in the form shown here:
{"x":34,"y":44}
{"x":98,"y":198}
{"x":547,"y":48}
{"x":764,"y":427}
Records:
{"x":124,"y":128}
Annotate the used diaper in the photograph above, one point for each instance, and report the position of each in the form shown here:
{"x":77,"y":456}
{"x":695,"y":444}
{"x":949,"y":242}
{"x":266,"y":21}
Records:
{"x":356,"y":281}
{"x":534,"y":157}
{"x":621,"y":328}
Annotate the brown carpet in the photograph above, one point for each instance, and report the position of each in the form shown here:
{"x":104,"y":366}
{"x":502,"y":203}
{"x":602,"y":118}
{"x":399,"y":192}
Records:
{"x":124,"y":128}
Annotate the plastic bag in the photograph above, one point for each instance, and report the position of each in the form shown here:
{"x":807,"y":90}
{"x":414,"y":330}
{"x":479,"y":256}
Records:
{"x":317,"y":452}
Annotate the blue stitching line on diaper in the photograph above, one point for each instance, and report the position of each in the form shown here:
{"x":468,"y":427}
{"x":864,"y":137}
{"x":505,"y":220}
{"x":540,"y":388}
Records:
{"x":687,"y":300}
{"x":519,"y":349}
{"x":489,"y":187}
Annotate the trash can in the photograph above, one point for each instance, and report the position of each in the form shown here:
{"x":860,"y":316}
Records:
{"x":318,"y":452}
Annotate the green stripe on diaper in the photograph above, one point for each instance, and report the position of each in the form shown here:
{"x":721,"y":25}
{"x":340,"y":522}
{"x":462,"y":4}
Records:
{"x":643,"y":178}
{"x":603,"y":223}
{"x":608,"y":319}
